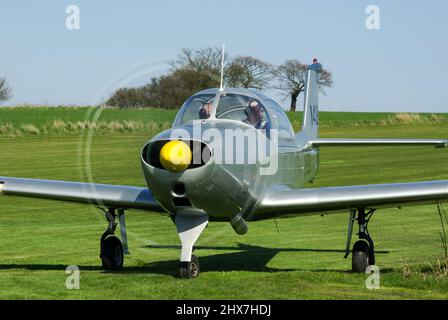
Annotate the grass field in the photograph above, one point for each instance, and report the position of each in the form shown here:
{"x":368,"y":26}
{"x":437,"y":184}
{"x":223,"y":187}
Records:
{"x":63,"y":121}
{"x":304,"y":260}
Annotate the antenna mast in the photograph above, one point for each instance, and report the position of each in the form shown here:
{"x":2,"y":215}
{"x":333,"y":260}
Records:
{"x":221,"y":87}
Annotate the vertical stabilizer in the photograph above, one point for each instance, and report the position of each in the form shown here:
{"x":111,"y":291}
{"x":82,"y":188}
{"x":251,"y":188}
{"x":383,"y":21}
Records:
{"x":311,"y":108}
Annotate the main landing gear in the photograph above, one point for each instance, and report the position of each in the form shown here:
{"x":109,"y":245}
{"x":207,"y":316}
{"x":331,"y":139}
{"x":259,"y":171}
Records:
{"x":363,"y":252}
{"x":112,"y":250}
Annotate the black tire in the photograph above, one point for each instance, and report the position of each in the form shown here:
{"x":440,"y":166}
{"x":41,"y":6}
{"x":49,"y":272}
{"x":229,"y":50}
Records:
{"x":189,"y":270}
{"x":112,"y":256}
{"x":360,"y":256}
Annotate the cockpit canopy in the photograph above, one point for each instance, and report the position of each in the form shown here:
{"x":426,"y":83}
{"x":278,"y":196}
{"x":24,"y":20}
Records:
{"x":240,"y":105}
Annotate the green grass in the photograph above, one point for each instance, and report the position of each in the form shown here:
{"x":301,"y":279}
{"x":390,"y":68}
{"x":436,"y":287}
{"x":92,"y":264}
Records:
{"x":40,"y":116}
{"x":328,"y":118}
{"x":303,"y":261}
{"x":64,"y":121}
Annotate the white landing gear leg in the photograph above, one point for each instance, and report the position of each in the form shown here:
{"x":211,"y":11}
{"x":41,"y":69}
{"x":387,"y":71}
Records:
{"x":189,"y":229}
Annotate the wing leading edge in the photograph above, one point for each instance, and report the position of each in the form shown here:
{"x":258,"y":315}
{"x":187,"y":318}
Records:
{"x":112,"y":196}
{"x":282,"y":200}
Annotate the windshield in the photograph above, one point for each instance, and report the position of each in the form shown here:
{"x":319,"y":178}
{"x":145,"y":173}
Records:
{"x":244,"y":109}
{"x":231,"y":106}
{"x":195,"y":108}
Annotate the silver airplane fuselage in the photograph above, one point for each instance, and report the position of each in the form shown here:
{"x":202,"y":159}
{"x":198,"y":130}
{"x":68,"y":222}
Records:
{"x":224,"y":191}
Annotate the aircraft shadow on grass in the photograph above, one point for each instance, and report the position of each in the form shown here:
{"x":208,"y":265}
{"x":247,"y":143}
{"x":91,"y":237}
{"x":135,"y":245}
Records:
{"x":247,"y":258}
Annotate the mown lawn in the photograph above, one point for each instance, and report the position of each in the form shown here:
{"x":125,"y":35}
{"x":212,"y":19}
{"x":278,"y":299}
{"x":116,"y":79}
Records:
{"x":304,"y":260}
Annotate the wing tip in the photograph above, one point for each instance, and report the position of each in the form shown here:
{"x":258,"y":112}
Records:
{"x":442,"y":144}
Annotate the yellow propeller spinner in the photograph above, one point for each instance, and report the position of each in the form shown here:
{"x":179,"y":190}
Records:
{"x":175,"y":156}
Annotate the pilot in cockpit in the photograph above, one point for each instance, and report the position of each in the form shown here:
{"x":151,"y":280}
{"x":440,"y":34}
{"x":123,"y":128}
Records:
{"x":254,"y":116}
{"x":204,"y":112}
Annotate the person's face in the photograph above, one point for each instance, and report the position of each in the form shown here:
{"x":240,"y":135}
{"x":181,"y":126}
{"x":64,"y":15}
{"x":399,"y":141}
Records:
{"x":207,"y":109}
{"x":258,"y":113}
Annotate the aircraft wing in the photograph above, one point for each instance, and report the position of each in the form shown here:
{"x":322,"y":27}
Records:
{"x":104,"y":195}
{"x":331,"y":142}
{"x":282,"y":200}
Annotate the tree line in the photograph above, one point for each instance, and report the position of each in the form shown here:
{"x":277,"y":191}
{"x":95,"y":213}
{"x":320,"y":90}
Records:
{"x":195,"y":70}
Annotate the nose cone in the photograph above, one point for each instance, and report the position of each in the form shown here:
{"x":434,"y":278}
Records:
{"x":175,"y":156}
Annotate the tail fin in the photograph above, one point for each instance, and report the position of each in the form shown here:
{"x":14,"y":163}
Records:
{"x":311,"y":109}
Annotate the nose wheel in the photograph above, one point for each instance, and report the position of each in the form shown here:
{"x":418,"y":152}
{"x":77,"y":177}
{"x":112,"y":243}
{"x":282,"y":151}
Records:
{"x":189,"y":270}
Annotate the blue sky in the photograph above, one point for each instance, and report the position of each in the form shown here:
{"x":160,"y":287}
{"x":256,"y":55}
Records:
{"x":400,"y":67}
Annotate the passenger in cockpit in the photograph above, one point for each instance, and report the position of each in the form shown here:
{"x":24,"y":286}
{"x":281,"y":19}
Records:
{"x":204,"y":112}
{"x":254,"y":115}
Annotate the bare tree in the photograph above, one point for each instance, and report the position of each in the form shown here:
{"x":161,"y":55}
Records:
{"x":291,"y":78}
{"x":5,"y":90}
{"x":206,"y":61}
{"x":248,"y":72}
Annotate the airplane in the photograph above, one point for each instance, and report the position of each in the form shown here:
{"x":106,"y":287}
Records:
{"x":185,"y":179}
